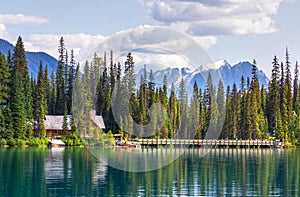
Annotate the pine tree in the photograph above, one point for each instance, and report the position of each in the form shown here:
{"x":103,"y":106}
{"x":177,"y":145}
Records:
{"x":129,"y":74}
{"x":234,"y":96}
{"x":227,"y":128}
{"x":47,"y":89}
{"x":4,"y":80}
{"x":296,"y":89}
{"x":183,"y":128}
{"x":193,"y":125}
{"x":273,"y":100}
{"x":288,"y":92}
{"x":20,"y":76}
{"x":65,"y":122}
{"x":41,"y":103}
{"x":112,"y":72}
{"x":100,"y":98}
{"x":19,"y":59}
{"x":60,"y":79}
{"x":18,"y":107}
{"x":221,"y":106}
{"x":173,"y":110}
{"x":70,"y":82}
{"x":53,"y":95}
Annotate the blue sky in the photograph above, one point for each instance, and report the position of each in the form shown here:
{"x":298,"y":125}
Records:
{"x":234,"y":30}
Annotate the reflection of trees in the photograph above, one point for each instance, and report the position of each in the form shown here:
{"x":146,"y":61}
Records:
{"x":248,"y":172}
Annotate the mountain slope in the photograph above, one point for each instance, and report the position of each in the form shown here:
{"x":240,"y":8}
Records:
{"x":33,"y":58}
{"x":222,"y":70}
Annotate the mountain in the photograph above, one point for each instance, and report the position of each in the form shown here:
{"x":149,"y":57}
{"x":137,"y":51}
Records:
{"x":220,"y":70}
{"x":33,"y":58}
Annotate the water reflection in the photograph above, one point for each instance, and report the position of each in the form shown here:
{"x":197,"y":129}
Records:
{"x":223,"y":172}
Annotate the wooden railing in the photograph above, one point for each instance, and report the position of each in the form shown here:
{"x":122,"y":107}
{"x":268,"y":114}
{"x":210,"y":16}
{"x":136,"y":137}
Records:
{"x":214,"y":143}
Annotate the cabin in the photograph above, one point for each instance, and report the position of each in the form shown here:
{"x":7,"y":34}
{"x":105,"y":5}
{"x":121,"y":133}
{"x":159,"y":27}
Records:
{"x":54,"y":124}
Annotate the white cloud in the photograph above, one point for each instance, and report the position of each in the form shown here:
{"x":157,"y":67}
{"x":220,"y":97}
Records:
{"x":21,"y":19}
{"x":158,"y":47}
{"x":2,"y":30}
{"x":18,"y":19}
{"x":220,"y":17}
{"x":82,"y":44}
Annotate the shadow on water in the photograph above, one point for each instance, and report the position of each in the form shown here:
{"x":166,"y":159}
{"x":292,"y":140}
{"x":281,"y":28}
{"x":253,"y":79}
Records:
{"x":222,"y":172}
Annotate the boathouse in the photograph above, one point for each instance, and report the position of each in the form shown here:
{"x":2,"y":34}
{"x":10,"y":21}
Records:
{"x":54,"y":124}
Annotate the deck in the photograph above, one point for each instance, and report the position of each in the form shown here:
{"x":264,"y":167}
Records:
{"x":211,"y":143}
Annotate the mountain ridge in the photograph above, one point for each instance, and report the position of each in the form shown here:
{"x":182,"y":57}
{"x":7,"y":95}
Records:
{"x":222,"y":69}
{"x":228,"y":73}
{"x":33,"y":58}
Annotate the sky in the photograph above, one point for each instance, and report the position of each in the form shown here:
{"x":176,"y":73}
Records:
{"x":234,"y":30}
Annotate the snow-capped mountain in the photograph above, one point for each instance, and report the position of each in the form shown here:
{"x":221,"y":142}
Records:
{"x":221,"y":70}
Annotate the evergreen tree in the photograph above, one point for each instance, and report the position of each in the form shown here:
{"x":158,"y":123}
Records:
{"x":70,"y":82}
{"x":47,"y":89}
{"x":4,"y":80}
{"x":65,"y":122}
{"x":221,"y":106}
{"x":288,"y":93}
{"x":194,"y":112}
{"x":52,"y":103}
{"x":18,"y":107}
{"x":41,"y":103}
{"x":19,"y":62}
{"x":173,"y":112}
{"x":273,"y":101}
{"x":112,"y":72}
{"x":20,"y":76}
{"x":227,"y":128}
{"x":100,"y":98}
{"x":296,"y":89}
{"x":129,"y":74}
{"x":234,"y":96}
{"x":60,"y":79}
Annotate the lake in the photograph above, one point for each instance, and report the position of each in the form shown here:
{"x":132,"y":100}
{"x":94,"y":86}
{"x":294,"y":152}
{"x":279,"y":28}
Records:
{"x":222,"y":172}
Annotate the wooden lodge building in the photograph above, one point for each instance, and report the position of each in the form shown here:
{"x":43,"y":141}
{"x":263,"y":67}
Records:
{"x":54,"y":124}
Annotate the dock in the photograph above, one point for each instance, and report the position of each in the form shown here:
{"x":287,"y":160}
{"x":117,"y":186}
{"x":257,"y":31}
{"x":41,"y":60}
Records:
{"x":208,"y":143}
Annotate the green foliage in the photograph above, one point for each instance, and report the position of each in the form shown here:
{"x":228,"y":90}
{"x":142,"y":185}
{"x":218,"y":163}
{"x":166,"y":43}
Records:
{"x":3,"y":142}
{"x":35,"y":141}
{"x":4,"y":80}
{"x":40,"y":103}
{"x":72,"y":140}
{"x":11,"y":142}
{"x":18,"y":107}
{"x":248,"y":112}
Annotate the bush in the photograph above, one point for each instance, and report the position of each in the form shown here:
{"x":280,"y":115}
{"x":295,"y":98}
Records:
{"x":35,"y":141}
{"x":289,"y":145}
{"x":71,"y":140}
{"x":3,"y":142}
{"x":20,"y":142}
{"x":11,"y":142}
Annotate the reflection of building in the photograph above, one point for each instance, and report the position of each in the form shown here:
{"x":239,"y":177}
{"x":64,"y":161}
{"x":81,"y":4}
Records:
{"x":54,"y":124}
{"x":54,"y":167}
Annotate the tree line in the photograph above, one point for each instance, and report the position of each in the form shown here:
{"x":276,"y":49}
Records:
{"x":241,"y":111}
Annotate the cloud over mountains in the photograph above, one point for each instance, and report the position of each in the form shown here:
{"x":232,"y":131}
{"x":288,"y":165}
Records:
{"x":219,"y":17}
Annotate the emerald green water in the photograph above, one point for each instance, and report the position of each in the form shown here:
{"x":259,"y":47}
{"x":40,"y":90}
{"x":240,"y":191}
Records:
{"x":223,"y":172}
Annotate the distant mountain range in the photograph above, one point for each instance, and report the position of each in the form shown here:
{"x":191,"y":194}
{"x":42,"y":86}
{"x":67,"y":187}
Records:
{"x":221,"y":70}
{"x":33,"y":58}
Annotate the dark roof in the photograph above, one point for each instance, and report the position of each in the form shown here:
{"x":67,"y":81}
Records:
{"x":56,"y":122}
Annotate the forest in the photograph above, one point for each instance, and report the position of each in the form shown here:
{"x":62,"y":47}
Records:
{"x":242,"y":111}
